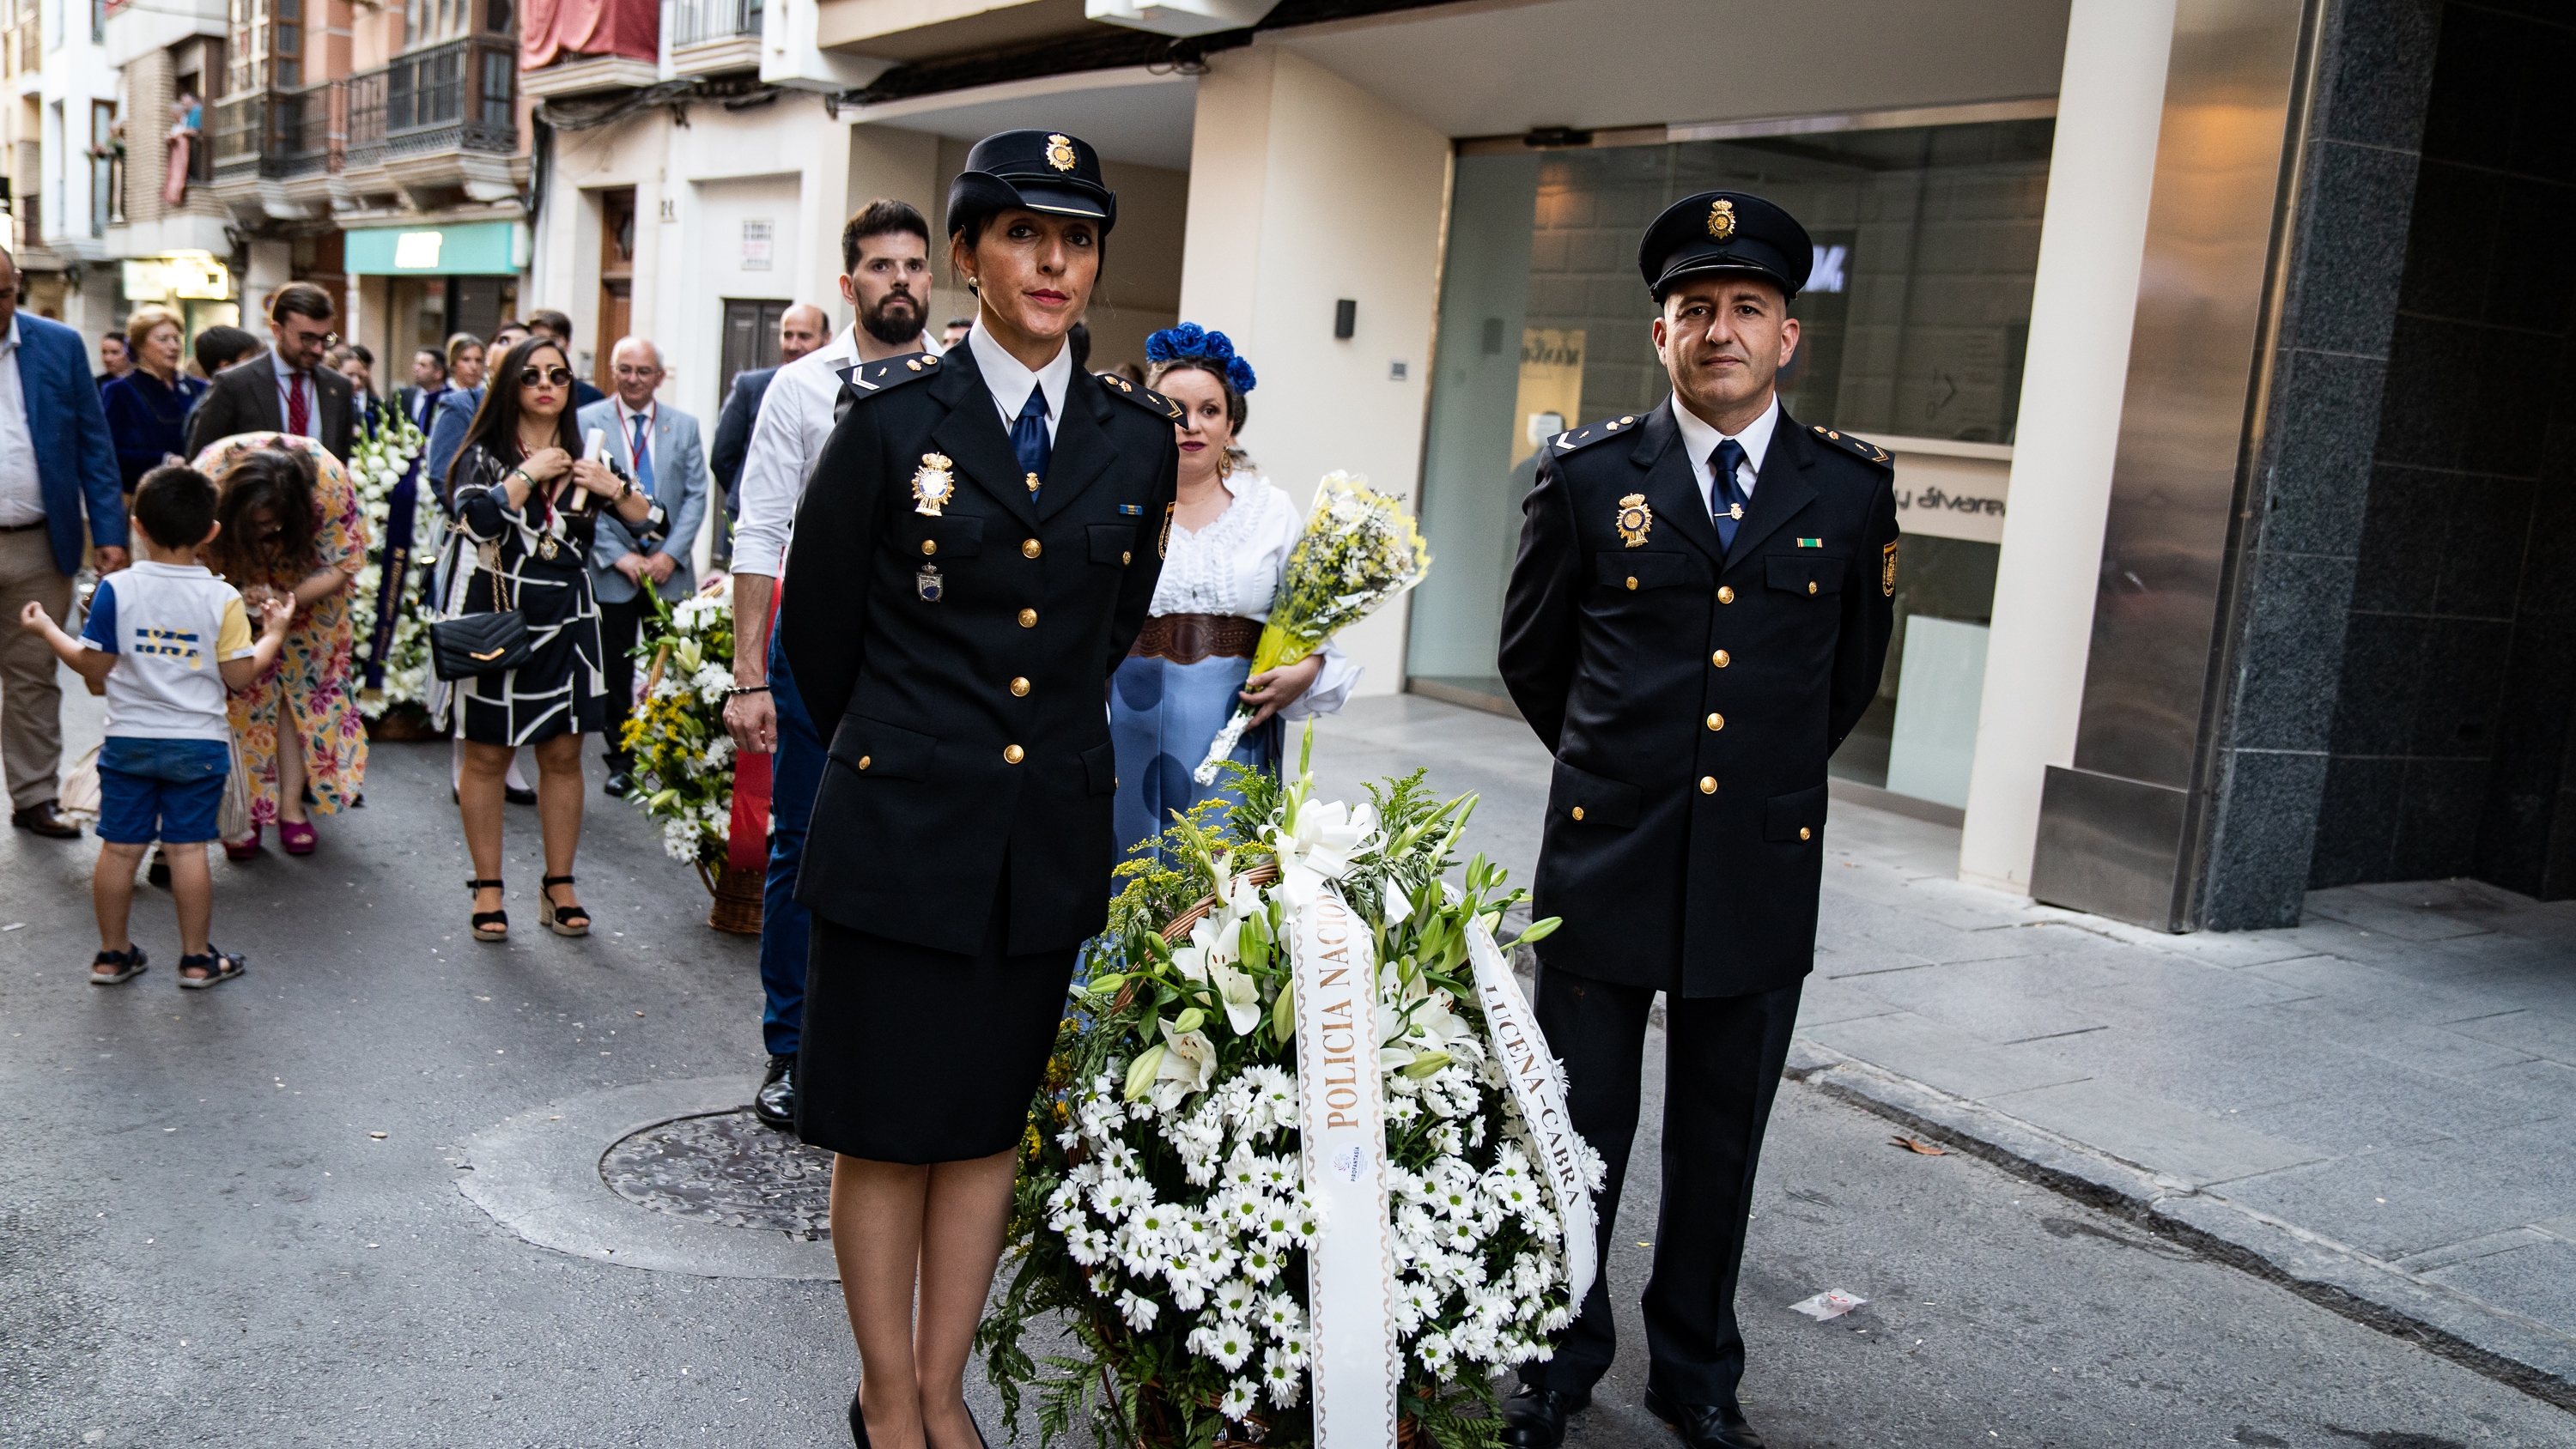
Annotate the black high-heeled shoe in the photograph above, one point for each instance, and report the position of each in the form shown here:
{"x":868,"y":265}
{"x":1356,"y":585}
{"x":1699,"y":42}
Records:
{"x":979,"y":1429}
{"x":858,"y":1422}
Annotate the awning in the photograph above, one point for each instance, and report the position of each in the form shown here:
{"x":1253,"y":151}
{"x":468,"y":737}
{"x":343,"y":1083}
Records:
{"x":465,"y":249}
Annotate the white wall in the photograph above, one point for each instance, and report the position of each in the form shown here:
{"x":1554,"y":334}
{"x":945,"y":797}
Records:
{"x":1305,"y":189}
{"x":2083,"y":303}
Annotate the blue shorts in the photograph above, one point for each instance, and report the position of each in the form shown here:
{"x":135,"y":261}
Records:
{"x":171,"y":790}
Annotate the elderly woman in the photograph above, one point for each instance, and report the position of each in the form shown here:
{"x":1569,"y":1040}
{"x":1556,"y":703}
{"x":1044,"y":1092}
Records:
{"x":147,"y":407}
{"x":527,"y":505}
{"x":292,"y":530}
{"x":1187,"y":671}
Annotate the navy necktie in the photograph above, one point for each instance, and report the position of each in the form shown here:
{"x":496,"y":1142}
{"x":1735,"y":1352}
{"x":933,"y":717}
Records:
{"x":1029,"y":440}
{"x":640,"y":448}
{"x":1726,"y":500}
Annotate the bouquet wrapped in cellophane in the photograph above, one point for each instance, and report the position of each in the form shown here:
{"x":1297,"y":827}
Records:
{"x":1359,"y":550}
{"x":683,"y":754}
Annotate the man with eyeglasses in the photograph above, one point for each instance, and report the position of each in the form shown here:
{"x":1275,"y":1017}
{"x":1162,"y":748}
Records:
{"x":289,"y":391}
{"x":658,"y":445}
{"x":57,"y":470}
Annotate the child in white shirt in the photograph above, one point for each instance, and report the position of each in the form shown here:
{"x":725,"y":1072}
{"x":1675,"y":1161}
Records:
{"x":167,"y":638}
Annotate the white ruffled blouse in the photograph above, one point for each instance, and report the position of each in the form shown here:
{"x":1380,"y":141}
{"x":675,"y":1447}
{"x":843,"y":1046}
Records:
{"x":1233,"y":565}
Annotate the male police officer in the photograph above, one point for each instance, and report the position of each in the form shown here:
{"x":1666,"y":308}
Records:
{"x":1697,"y":617}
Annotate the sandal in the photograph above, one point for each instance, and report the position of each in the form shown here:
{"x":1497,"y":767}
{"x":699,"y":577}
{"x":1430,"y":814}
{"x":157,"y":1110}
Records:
{"x":246,"y":848}
{"x":296,"y":836}
{"x":489,"y":925}
{"x":219,"y":966}
{"x":562,"y":920}
{"x":129,"y":963}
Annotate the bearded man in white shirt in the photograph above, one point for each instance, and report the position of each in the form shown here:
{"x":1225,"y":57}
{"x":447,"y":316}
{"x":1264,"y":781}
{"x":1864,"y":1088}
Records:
{"x":885,"y":253}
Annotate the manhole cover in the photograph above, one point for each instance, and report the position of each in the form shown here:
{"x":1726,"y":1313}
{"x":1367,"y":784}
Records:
{"x":726,"y":1168}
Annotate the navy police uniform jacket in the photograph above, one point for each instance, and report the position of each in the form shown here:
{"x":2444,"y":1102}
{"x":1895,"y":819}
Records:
{"x":956,"y":664}
{"x":1692,"y":696}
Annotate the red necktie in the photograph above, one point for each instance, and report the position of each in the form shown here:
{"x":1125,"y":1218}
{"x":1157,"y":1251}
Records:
{"x":299,"y":413}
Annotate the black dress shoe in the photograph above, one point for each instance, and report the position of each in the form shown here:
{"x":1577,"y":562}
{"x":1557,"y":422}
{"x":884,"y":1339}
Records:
{"x":1705,"y":1426}
{"x":618,"y":785}
{"x":45,"y":820}
{"x":1535,"y":1418}
{"x":858,"y":1422}
{"x":517,"y":796}
{"x":775,"y":1103}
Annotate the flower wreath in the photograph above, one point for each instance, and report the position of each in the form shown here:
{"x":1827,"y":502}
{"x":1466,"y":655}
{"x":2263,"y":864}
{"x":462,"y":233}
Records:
{"x":1190,"y":340}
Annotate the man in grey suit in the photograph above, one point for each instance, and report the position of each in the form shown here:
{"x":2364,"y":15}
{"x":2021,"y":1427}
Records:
{"x":288,"y":391}
{"x":659,"y":447}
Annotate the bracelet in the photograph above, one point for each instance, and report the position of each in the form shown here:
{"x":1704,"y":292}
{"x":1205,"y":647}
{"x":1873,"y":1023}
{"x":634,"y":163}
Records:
{"x":746,"y":689}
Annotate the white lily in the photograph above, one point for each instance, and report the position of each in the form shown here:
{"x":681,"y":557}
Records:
{"x":1241,"y":997}
{"x":1189,"y":1062}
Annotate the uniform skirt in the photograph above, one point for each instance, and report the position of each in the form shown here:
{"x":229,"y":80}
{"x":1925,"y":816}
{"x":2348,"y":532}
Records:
{"x":916,"y":1055}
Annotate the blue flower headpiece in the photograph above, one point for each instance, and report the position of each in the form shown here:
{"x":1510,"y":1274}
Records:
{"x":1192,"y":341}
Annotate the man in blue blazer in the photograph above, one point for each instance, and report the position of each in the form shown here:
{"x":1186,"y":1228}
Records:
{"x":57,"y":468}
{"x":658,"y":447}
{"x":801,"y":329}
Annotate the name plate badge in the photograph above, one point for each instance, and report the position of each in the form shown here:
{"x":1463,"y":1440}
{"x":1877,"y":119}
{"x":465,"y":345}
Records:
{"x":929,"y":584}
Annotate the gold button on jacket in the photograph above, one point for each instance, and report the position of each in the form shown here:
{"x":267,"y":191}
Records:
{"x":1719,"y":659}
{"x":1020,"y":687}
{"x":1708,"y":784}
{"x":1726,"y":593}
{"x":1031,"y":548}
{"x":1013,"y":753}
{"x":1578,"y":812}
{"x":1028,"y":618}
{"x":1717,"y":721}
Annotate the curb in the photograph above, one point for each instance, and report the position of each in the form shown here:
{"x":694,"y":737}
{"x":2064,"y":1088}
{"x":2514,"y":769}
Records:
{"x":2507,"y":1347}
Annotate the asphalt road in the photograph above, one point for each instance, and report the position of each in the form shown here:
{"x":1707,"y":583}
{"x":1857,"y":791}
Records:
{"x":202,"y":1243}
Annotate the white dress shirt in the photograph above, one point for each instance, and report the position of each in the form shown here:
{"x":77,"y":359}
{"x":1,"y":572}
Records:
{"x":22,"y":491}
{"x":1009,"y":382}
{"x":796,"y":419}
{"x":1701,"y":440}
{"x":285,"y":406}
{"x":1233,"y":566}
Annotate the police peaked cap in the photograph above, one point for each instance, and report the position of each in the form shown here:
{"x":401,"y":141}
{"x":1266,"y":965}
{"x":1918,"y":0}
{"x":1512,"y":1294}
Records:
{"x":1725,"y":231}
{"x":1044,"y":171}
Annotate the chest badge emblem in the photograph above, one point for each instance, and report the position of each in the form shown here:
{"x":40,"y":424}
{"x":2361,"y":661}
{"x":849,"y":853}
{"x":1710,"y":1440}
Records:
{"x":934,"y":483}
{"x":547,"y":548}
{"x":1636,"y":518}
{"x":929,"y":584}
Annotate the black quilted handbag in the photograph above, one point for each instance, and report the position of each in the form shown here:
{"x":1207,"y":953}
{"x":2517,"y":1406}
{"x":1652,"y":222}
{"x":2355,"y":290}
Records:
{"x":470,"y":645}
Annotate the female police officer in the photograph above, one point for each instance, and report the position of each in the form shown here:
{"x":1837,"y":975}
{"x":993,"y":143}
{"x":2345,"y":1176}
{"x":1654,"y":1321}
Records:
{"x":974,"y":555}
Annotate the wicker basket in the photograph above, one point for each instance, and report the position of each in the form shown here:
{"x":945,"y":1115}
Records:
{"x":737,"y":899}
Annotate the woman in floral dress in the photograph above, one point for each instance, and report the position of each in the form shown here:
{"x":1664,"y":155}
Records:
{"x":312,"y":686}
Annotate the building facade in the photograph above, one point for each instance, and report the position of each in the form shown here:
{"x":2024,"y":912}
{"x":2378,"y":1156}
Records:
{"x":2228,"y":415}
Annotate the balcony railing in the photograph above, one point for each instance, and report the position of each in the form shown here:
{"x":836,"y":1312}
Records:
{"x":278,"y":135}
{"x":695,"y":22}
{"x":457,"y":96}
{"x":24,"y":44}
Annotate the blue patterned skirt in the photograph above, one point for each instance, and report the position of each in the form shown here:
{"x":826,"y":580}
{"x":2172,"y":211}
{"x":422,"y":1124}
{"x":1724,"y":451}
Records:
{"x":1162,"y":717}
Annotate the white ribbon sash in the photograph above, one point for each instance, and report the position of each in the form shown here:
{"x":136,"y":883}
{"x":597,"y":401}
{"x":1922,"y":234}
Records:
{"x":1540,"y":1089}
{"x":1350,"y":1269}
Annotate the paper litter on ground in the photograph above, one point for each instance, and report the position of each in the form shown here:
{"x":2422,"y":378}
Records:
{"x":1831,"y":1304}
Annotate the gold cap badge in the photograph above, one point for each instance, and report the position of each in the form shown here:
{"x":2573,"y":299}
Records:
{"x":1060,"y":152}
{"x":1721,"y":219}
{"x":1636,"y":518}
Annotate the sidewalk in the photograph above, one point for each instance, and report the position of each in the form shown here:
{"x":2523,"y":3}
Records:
{"x":2375,"y":1107}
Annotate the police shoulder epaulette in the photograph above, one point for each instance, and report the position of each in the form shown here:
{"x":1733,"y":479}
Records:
{"x":1861,"y":448}
{"x":867,"y":379}
{"x":1143,"y":397}
{"x":1590,"y":433}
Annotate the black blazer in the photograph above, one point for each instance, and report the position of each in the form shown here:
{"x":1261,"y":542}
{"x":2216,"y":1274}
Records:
{"x":733,"y":426}
{"x":1691,"y":699}
{"x":243,"y":399}
{"x":957,"y":663}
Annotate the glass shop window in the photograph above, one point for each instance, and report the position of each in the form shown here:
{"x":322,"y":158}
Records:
{"x":1914,"y":324}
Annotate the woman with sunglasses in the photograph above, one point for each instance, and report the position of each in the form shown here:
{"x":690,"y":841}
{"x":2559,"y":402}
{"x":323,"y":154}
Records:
{"x":526,"y":503}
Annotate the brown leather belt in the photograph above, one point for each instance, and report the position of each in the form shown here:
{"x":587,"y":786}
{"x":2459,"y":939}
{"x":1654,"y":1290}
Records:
{"x":1189,"y":638}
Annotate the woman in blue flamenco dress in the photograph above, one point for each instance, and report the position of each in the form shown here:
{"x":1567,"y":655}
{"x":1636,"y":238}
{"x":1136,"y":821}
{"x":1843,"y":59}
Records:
{"x":1227,"y":544}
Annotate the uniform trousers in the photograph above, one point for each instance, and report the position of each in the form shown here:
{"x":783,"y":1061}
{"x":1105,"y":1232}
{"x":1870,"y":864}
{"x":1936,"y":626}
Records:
{"x":1722,"y":1062}
{"x":795,"y":773}
{"x":31,"y":695}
